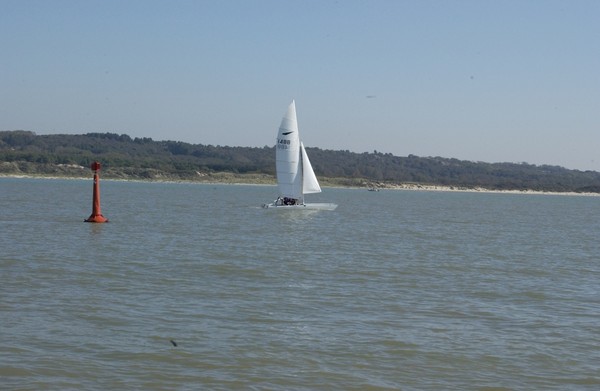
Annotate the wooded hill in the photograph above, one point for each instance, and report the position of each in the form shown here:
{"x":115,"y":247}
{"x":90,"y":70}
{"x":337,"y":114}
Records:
{"x":24,"y":152}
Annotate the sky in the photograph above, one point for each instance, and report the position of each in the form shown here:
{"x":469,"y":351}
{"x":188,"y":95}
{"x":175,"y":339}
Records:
{"x":479,"y":80}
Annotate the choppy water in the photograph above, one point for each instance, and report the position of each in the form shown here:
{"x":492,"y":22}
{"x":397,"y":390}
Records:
{"x":393,"y":290}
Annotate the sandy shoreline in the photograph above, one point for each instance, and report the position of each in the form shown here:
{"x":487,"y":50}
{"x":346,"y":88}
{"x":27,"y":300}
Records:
{"x":403,"y":186}
{"x":419,"y":187}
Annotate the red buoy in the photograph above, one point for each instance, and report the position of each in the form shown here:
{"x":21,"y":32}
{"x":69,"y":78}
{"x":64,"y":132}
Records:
{"x":96,"y":216}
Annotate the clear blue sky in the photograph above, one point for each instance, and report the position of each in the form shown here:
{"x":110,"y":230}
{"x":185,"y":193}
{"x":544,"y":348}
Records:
{"x":494,"y":81}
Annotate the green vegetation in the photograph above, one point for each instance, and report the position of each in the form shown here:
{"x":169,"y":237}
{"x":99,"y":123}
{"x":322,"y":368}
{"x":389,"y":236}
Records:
{"x":25,"y":153}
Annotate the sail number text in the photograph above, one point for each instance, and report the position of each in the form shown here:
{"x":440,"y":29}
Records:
{"x":283,"y":144}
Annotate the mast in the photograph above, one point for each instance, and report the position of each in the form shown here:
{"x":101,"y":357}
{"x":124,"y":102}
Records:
{"x":301,"y":159}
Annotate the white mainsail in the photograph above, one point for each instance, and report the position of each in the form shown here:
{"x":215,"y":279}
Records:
{"x":287,"y":155}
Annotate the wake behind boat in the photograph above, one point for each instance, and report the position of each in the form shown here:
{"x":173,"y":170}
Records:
{"x":295,"y":175}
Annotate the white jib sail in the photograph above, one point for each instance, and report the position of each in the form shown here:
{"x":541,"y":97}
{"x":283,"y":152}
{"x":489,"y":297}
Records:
{"x":287,"y":156}
{"x":310,"y":184}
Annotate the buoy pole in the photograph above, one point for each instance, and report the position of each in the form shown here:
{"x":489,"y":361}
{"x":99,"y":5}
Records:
{"x":96,"y":216}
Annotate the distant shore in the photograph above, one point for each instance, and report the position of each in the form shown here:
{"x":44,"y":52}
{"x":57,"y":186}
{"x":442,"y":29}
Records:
{"x":262,"y":179}
{"x":419,"y":187}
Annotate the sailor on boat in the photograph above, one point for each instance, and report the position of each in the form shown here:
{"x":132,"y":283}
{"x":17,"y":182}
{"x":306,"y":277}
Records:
{"x":286,"y":201}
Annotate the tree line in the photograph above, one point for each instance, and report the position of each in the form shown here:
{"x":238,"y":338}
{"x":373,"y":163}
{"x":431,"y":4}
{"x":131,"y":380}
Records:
{"x":144,"y":158}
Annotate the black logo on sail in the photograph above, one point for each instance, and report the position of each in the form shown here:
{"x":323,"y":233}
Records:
{"x":286,"y":133}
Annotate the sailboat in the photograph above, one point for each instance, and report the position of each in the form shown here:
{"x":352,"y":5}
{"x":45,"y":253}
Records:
{"x":295,"y":175}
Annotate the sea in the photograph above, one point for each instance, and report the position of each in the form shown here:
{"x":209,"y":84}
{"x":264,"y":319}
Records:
{"x":197,"y":287}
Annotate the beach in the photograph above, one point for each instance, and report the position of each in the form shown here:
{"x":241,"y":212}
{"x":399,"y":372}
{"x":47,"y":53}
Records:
{"x":263,"y":179}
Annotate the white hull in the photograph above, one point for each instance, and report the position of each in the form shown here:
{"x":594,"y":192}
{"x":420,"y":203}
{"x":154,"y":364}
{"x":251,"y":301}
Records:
{"x":310,"y":206}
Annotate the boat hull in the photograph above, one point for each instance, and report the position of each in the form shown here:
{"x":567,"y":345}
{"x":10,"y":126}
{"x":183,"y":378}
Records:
{"x":310,"y":206}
